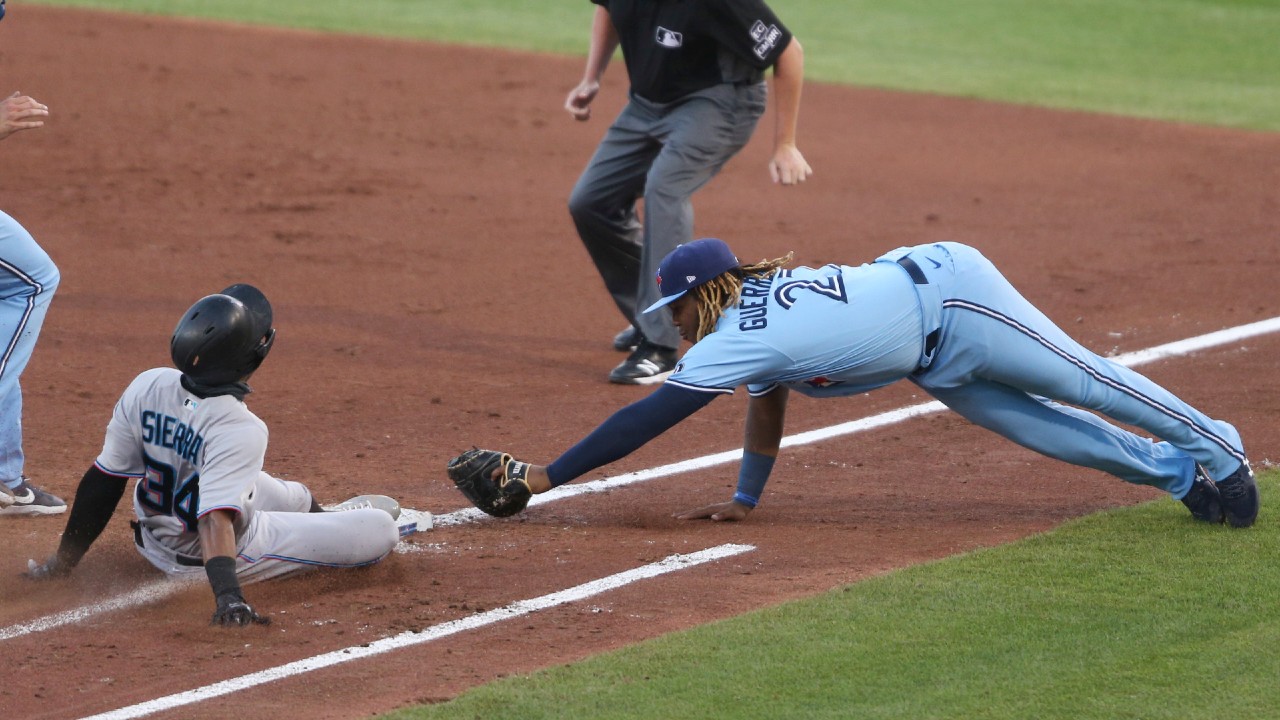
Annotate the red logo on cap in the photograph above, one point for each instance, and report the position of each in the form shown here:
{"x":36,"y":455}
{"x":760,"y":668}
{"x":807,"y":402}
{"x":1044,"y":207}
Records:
{"x":659,"y":278}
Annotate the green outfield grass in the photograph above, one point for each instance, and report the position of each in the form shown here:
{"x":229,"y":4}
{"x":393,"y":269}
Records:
{"x":1132,"y":613}
{"x":1203,"y":61}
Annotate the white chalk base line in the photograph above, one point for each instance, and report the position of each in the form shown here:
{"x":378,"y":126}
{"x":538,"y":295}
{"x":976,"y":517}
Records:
{"x":409,"y":638}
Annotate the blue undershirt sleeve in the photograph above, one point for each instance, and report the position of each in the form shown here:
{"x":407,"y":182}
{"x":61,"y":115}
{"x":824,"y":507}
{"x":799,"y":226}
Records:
{"x":627,"y":430}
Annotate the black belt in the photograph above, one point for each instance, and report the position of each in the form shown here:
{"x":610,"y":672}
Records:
{"x":917,"y":276}
{"x":186,"y":560}
{"x":913,"y":270}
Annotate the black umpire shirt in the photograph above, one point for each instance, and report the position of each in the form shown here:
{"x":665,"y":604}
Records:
{"x":676,"y":47}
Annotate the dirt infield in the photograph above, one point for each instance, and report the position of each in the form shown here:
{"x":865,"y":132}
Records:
{"x":404,"y":207}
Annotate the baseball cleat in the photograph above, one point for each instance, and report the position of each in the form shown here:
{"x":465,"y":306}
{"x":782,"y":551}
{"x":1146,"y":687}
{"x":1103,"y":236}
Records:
{"x":31,"y":500}
{"x":386,"y":504}
{"x":1239,"y":492}
{"x":648,"y":364}
{"x":1202,"y":499}
{"x":627,"y":339}
{"x":6,"y":497}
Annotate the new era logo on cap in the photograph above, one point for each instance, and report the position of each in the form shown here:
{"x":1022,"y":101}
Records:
{"x":690,"y":265}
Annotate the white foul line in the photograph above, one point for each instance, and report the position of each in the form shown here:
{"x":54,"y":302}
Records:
{"x":408,"y":638}
{"x":1139,"y":357}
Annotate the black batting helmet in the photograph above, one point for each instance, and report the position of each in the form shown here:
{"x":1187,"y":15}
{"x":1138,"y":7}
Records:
{"x":223,"y":338}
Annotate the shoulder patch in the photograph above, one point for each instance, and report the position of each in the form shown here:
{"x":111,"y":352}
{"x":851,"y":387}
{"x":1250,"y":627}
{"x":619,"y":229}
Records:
{"x":766,"y":38}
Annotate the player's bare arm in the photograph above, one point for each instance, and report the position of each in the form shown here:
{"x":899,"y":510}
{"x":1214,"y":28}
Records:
{"x":217,"y":534}
{"x":538,"y":480}
{"x":218,"y":546}
{"x":766,"y":416}
{"x":788,"y":166}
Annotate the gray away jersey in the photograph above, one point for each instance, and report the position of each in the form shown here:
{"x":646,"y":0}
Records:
{"x":192,"y":455}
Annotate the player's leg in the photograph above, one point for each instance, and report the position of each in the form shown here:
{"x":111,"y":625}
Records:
{"x":1070,"y":435}
{"x":271,"y":494}
{"x":603,"y":202}
{"x":282,"y":543}
{"x":699,"y":137}
{"x":28,"y":279}
{"x":991,"y":332}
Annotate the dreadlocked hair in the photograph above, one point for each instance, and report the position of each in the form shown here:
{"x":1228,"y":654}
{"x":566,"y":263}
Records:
{"x":720,"y":292}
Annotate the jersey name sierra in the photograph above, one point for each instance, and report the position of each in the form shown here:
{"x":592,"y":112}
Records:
{"x":191,"y":454}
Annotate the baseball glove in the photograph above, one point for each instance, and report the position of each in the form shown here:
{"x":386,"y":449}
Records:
{"x":502,"y":496}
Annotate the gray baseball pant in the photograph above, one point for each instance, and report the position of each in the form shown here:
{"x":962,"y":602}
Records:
{"x":664,"y":152}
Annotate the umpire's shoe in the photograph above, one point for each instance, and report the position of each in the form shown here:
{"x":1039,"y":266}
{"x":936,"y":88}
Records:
{"x":1203,"y":499}
{"x":648,"y":364}
{"x":627,"y":339}
{"x":1239,"y":492}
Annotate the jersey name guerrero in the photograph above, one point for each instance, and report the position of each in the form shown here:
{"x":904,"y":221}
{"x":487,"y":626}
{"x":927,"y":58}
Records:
{"x":829,"y":331}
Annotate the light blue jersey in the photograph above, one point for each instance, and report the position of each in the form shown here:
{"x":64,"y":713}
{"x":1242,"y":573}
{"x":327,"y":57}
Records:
{"x":830,"y":331}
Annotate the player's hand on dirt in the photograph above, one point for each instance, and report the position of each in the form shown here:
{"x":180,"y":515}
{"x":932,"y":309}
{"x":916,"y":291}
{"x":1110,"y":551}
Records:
{"x":788,"y":166}
{"x":19,"y":112}
{"x":579,"y":101}
{"x":725,"y":511}
{"x":54,"y":567}
{"x":233,"y":611}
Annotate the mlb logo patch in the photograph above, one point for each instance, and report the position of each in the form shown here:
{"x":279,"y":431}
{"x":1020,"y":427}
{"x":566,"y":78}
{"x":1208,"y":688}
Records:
{"x":669,"y":38}
{"x":190,"y":403}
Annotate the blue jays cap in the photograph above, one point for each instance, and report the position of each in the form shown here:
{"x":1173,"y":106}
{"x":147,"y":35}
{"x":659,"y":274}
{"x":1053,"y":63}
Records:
{"x":690,"y":265}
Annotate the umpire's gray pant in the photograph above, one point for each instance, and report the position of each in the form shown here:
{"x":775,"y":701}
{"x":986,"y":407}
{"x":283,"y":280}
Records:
{"x":665,"y":152}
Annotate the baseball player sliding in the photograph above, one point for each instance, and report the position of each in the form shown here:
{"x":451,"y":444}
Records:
{"x":941,"y":316}
{"x":202,"y":501}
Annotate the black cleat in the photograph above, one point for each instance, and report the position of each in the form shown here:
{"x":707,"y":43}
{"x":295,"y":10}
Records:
{"x":1239,"y":492}
{"x":627,"y":339}
{"x":648,"y":364}
{"x":1203,"y":500}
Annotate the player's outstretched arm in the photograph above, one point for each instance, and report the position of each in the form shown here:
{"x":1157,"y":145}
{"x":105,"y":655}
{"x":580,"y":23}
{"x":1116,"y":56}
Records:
{"x":95,"y":501}
{"x":501,"y":485}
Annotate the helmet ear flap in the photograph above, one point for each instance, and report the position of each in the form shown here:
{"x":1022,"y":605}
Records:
{"x":260,"y":309}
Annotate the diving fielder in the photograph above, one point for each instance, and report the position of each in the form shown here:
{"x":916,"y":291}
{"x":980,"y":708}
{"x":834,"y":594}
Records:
{"x":941,"y":316}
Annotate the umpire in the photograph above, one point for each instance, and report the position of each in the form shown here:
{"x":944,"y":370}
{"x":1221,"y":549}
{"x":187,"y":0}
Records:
{"x":697,"y":91}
